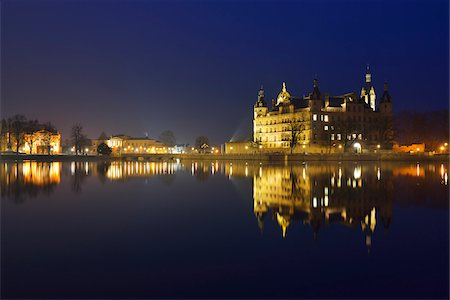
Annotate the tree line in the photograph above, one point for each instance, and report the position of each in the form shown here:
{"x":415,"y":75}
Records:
{"x":18,"y":130}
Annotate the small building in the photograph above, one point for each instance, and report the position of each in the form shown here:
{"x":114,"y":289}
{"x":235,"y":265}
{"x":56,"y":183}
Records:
{"x":180,"y":149}
{"x":38,"y":142}
{"x":122,"y":144}
{"x":413,"y":148}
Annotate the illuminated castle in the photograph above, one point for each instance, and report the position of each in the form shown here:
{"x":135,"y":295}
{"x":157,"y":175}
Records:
{"x":318,"y":123}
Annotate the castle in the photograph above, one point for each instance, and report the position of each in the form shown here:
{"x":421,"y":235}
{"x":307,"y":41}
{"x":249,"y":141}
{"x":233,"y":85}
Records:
{"x":318,"y":123}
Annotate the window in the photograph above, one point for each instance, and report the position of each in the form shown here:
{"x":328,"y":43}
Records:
{"x":325,"y":127}
{"x":339,"y":136}
{"x":314,"y":117}
{"x":326,"y":118}
{"x":332,"y":137}
{"x":321,"y":117}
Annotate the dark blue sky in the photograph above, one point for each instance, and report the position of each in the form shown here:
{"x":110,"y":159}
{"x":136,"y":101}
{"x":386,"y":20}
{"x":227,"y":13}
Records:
{"x":195,"y":67}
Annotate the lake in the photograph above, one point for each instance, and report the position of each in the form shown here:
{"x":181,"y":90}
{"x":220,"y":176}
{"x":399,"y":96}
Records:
{"x":211,"y":229}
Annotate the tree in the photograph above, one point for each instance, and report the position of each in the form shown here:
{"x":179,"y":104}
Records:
{"x":167,"y":138}
{"x":78,"y":138}
{"x":6,"y":132}
{"x":104,"y":149}
{"x":17,"y":130}
{"x":103,"y":136}
{"x":50,"y":129}
{"x":202,"y":143}
{"x":31,"y":127}
{"x":296,"y":129}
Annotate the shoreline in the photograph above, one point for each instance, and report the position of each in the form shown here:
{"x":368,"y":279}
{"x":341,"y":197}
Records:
{"x":234,"y":157}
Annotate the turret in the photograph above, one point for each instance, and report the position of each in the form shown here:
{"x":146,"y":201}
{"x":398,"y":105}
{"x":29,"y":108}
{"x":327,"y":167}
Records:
{"x":260,"y":108}
{"x":368,"y":92}
{"x":315,"y":97}
{"x":386,"y":101}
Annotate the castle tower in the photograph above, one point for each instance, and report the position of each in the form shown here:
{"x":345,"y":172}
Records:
{"x":386,"y":101}
{"x":368,"y":92}
{"x":284,"y":97}
{"x":387,"y":118}
{"x":260,"y":108}
{"x":315,"y":97}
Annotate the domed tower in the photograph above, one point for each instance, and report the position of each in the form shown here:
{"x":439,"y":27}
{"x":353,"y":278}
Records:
{"x":284,"y":97}
{"x":368,"y":92}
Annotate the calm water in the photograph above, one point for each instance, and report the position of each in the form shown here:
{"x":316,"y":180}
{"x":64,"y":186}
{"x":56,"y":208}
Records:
{"x":212,"y":229}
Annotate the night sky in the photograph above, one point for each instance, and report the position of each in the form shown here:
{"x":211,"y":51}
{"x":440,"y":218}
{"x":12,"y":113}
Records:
{"x":137,"y":67}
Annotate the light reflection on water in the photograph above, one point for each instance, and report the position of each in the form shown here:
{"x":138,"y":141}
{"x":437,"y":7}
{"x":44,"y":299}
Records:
{"x":352,"y":194}
{"x":359,"y":197}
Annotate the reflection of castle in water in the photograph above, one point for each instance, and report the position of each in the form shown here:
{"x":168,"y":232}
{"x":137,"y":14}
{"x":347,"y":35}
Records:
{"x":319,"y":195}
{"x":354,"y":195}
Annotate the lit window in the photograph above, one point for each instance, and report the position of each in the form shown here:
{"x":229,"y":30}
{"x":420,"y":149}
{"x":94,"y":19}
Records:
{"x":325,"y":127}
{"x":339,"y":136}
{"x":314,"y":117}
{"x":326,"y":118}
{"x":332,"y":136}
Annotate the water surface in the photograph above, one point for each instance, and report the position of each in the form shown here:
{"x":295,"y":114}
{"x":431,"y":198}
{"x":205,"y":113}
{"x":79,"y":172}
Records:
{"x":212,"y":229}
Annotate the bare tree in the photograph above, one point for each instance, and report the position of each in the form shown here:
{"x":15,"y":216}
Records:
{"x":31,"y":127}
{"x":103,"y":137}
{"x":297,"y":128}
{"x":17,"y":130}
{"x":6,"y":132}
{"x":202,"y":143}
{"x":50,"y":130}
{"x":167,"y":138}
{"x":78,"y":138}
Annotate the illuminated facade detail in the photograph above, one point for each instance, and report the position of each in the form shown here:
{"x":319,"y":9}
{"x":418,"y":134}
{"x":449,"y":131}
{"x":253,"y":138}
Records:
{"x":126,"y":144}
{"x":368,"y":92}
{"x":38,"y":142}
{"x":323,"y":123}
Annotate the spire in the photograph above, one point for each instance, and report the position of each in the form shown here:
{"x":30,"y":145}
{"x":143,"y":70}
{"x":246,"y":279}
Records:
{"x":386,"y":97}
{"x":261,"y":102}
{"x":368,"y":76}
{"x":284,"y":87}
{"x":315,"y":95}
